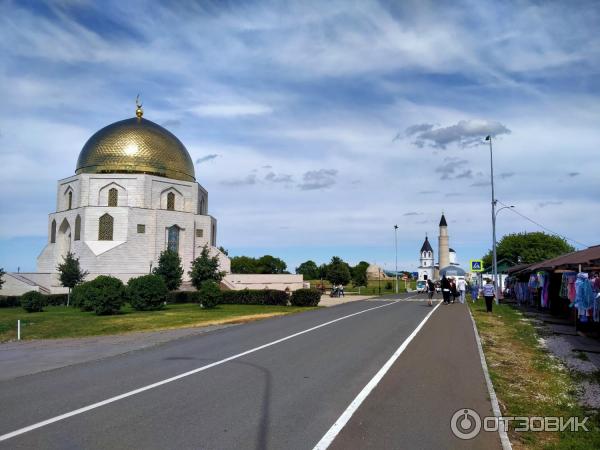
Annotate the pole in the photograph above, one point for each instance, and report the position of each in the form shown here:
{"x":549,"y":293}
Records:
{"x":19,"y":330}
{"x":379,"y":278}
{"x":494,"y":260}
{"x":396,"y":242}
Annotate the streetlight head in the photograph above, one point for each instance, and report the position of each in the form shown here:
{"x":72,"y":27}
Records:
{"x":487,"y":138}
{"x":395,"y":227}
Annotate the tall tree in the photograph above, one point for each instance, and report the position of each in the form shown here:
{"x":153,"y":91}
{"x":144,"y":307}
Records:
{"x":528,"y":248}
{"x":270,"y":264}
{"x":359,"y":274}
{"x":308,"y":270}
{"x":169,"y":269}
{"x":224,"y":250}
{"x":205,"y":267}
{"x":338,"y":271}
{"x":2,"y":273}
{"x":243,"y":264}
{"x":70,"y":273}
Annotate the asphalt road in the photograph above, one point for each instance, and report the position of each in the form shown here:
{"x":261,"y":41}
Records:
{"x":285,"y":395}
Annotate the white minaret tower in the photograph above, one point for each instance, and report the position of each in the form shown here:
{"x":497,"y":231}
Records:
{"x":426,"y":261}
{"x":444,"y":250}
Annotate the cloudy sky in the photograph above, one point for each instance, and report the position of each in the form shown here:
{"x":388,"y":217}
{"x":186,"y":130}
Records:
{"x":316,"y":126}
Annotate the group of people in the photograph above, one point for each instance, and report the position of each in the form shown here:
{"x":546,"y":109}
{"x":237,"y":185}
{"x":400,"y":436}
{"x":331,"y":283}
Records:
{"x":454,"y":289}
{"x":337,"y":290}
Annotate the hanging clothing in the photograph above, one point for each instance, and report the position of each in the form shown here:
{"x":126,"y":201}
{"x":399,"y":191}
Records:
{"x":584,"y":296}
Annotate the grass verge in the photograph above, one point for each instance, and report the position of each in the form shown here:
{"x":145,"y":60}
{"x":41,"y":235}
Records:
{"x":63,"y":322}
{"x":529,"y":381}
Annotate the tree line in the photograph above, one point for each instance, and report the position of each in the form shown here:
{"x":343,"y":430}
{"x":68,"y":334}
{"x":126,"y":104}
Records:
{"x":337,"y":271}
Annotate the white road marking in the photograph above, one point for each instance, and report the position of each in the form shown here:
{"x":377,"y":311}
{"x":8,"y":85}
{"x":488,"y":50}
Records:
{"x":328,"y":438}
{"x":76,"y":412}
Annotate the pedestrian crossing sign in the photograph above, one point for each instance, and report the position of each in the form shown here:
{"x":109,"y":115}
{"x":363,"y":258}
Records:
{"x":476,"y":265}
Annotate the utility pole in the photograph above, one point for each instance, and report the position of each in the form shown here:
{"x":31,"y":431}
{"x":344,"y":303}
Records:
{"x":494,"y":260}
{"x":396,"y":242}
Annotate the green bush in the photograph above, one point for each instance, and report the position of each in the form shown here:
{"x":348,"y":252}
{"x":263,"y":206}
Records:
{"x":209,"y":294}
{"x":32,"y":301}
{"x":388,"y":285}
{"x":10,"y":301}
{"x":56,"y":299}
{"x":146,"y":293}
{"x":104,"y":295}
{"x":182,"y":297}
{"x":255,"y":297}
{"x":306,"y":297}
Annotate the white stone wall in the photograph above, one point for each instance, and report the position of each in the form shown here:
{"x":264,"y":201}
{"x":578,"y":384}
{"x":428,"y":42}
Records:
{"x":280,"y":282}
{"x":141,"y":200}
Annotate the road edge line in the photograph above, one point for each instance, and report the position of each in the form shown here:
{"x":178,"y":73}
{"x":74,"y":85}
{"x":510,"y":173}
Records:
{"x":341,"y":422}
{"x":113,"y":399}
{"x":504,"y":440}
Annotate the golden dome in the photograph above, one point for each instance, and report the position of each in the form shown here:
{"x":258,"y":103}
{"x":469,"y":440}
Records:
{"x":136,"y":145}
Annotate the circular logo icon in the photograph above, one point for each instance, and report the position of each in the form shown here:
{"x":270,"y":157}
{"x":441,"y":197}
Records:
{"x":465,"y":424}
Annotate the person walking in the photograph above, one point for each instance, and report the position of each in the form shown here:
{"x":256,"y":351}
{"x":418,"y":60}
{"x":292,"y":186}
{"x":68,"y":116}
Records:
{"x":461,"y":285}
{"x":453,"y":290}
{"x":446,"y":290}
{"x":430,"y":292}
{"x":474,"y":291}
{"x":489,"y":294}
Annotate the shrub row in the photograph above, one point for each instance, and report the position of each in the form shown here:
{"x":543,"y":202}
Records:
{"x":255,"y":297}
{"x":306,"y":297}
{"x":9,"y":301}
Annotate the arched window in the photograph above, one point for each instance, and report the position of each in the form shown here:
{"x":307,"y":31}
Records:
{"x":70,"y":200}
{"x":105,"y":228}
{"x":201,"y":207}
{"x":173,"y":238}
{"x":53,"y":232}
{"x":171,"y":201}
{"x":77,"y":228}
{"x":113,"y":197}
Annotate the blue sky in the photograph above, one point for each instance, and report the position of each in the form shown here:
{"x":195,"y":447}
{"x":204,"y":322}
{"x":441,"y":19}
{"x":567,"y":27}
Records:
{"x":316,"y":126}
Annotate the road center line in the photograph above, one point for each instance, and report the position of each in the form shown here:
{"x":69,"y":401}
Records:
{"x":76,"y":412}
{"x":339,"y":424}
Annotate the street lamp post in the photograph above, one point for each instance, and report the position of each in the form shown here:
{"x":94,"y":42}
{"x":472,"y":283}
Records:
{"x":495,"y":262}
{"x":396,"y":242}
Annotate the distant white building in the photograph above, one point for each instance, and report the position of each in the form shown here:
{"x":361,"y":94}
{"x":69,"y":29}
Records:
{"x":426,"y":261}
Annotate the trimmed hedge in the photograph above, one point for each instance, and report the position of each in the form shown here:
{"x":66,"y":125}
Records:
{"x":104,"y":295}
{"x":147,"y":293}
{"x":209,"y":294}
{"x":32,"y":301}
{"x":306,"y":297}
{"x":182,"y":297}
{"x":10,"y":301}
{"x":255,"y":297}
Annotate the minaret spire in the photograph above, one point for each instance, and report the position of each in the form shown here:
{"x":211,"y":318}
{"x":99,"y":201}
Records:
{"x":139,"y":112}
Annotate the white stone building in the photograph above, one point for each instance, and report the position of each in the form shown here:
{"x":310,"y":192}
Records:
{"x":133,"y":195}
{"x":426,"y":261}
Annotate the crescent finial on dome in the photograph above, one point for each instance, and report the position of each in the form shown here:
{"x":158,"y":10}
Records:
{"x":139,"y":112}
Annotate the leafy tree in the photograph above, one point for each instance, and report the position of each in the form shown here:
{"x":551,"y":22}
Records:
{"x":224,"y":250}
{"x":308,"y":270}
{"x":147,"y":293}
{"x":359,"y":274}
{"x":70,"y":273}
{"x":338,"y":271}
{"x":322,"y":271}
{"x":209,"y":294}
{"x":2,"y":273}
{"x":169,"y":269}
{"x":205,"y":267}
{"x":528,"y":248}
{"x":270,"y":264}
{"x":243,"y":264}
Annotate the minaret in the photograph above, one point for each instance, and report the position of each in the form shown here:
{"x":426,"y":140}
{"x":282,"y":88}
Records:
{"x":444,"y":251}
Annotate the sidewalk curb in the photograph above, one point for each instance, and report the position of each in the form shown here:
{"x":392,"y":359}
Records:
{"x":504,"y":440}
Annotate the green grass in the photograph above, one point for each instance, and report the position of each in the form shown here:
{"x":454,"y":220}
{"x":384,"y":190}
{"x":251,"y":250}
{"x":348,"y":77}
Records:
{"x":63,"y":322}
{"x":529,"y":381}
{"x":372,"y":288}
